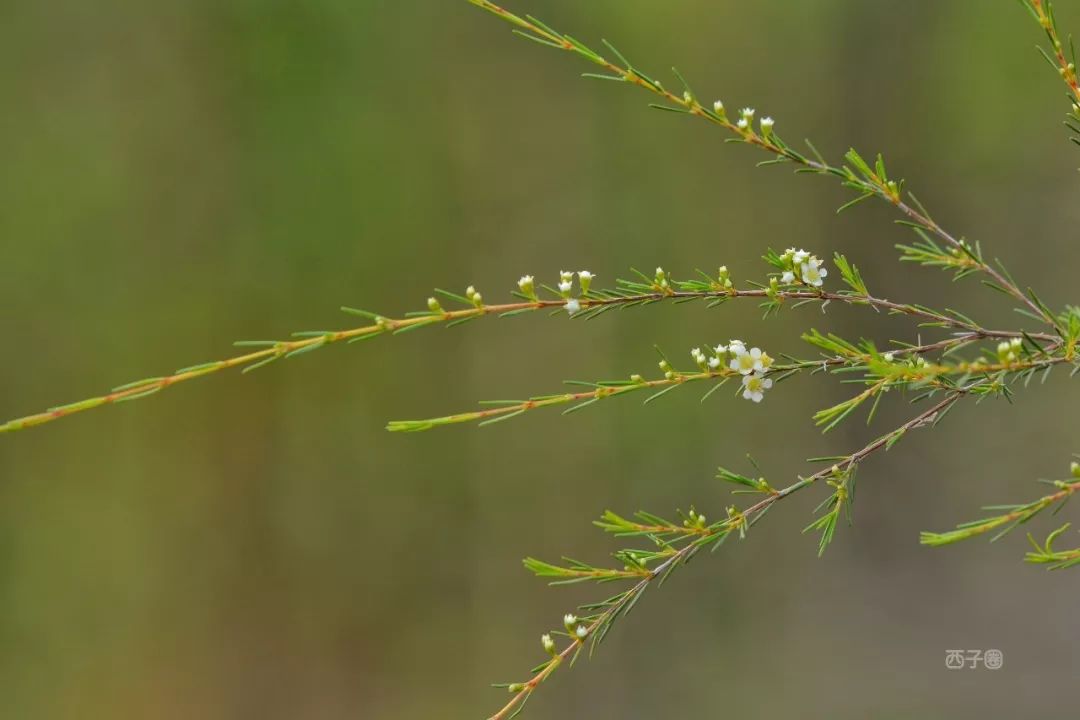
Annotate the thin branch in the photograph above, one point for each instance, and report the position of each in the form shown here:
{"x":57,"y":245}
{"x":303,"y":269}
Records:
{"x":702,"y":537}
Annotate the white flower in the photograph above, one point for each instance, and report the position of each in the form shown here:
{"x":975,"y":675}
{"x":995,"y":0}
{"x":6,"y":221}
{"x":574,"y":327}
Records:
{"x":720,"y":349}
{"x":788,"y":278}
{"x":565,"y":286}
{"x":742,"y":124}
{"x":573,"y":305}
{"x":569,"y":620}
{"x":718,"y":107}
{"x":767,"y":124}
{"x":888,"y":357}
{"x":754,"y":387}
{"x":565,"y":276}
{"x":799,"y":256}
{"x":714,"y":362}
{"x":747,"y":362}
{"x":813,"y":274}
{"x":581,"y":632}
{"x":526,"y":285}
{"x":548,"y":643}
{"x":747,"y":113}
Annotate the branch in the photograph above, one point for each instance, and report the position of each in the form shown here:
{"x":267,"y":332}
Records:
{"x":867,"y":180}
{"x":591,"y":304}
{"x":694,"y":534}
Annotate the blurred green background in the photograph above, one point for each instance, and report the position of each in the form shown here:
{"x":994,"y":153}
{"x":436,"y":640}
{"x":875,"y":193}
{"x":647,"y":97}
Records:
{"x":179,"y":175}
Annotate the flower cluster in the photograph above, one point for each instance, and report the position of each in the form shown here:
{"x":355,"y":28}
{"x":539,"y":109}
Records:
{"x":746,"y":117}
{"x":745,"y":123}
{"x":1008,"y":351}
{"x":802,"y":267}
{"x":752,"y":364}
{"x":527,"y":288}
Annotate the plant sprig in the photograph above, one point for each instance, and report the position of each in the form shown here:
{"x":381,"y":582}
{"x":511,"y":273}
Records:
{"x":673,"y":545}
{"x":1009,"y":517}
{"x":866,"y":179}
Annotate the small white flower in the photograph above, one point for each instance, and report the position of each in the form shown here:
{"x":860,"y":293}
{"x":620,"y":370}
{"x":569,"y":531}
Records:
{"x":581,"y":632}
{"x":565,"y":276}
{"x":888,"y":357}
{"x":742,"y":124}
{"x":1017,"y":343}
{"x":747,"y":113}
{"x":754,"y":387}
{"x":767,"y":124}
{"x":747,"y":362}
{"x":714,"y":362}
{"x":799,"y":256}
{"x":548,"y":643}
{"x":573,"y":305}
{"x":788,"y":278}
{"x":565,"y":286}
{"x":525,"y":281}
{"x":720,"y":349}
{"x":718,"y":107}
{"x":812,"y":274}
{"x":569,"y":620}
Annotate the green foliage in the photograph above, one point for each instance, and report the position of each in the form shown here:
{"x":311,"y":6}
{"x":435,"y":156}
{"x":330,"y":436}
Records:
{"x":969,"y":361}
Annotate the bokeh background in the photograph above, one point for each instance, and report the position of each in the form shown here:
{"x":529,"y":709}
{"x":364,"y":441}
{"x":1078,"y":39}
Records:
{"x":176,"y":176}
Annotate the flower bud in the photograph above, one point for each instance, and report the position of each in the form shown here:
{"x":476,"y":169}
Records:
{"x":767,"y":124}
{"x":527,"y":286}
{"x":585,"y":278}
